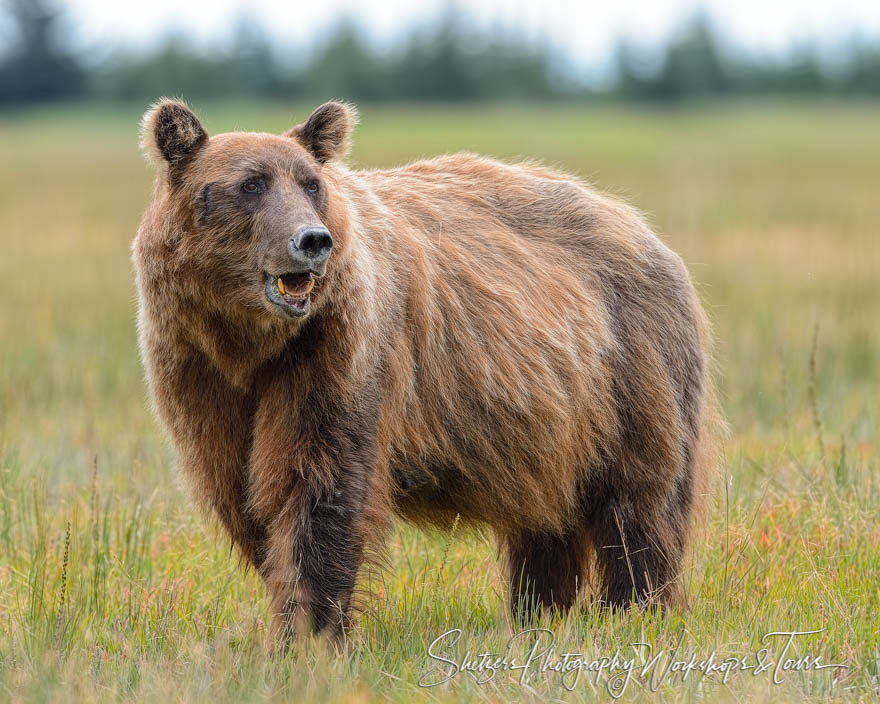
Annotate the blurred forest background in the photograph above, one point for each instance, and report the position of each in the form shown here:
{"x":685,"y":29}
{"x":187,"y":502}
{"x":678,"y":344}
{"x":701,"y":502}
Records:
{"x":445,"y":60}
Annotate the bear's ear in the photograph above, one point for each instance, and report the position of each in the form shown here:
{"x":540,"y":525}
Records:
{"x":170,"y":131}
{"x":327,"y":132}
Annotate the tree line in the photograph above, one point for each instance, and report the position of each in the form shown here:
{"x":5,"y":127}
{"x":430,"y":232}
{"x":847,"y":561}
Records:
{"x":447,"y":61}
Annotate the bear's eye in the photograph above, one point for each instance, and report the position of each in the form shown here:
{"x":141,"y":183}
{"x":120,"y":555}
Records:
{"x":312,"y":188}
{"x":252,"y":186}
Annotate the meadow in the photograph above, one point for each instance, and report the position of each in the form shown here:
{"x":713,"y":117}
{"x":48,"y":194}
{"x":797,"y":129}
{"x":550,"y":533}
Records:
{"x":114,"y":587}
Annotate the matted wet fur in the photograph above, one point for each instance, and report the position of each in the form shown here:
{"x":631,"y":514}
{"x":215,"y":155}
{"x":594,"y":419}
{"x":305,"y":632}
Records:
{"x":497,"y":342}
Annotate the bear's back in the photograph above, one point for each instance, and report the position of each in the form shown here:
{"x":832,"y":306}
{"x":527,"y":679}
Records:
{"x":548,"y":307}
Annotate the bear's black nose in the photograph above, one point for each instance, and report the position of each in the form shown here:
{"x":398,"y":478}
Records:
{"x":310,"y":246}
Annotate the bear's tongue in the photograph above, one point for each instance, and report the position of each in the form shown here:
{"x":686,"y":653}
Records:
{"x":295,"y":285}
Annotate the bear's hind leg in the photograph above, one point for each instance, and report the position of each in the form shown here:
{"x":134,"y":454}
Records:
{"x":545,"y":571}
{"x":639,"y":550}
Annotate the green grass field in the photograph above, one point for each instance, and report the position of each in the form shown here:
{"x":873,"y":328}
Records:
{"x":113,"y":587}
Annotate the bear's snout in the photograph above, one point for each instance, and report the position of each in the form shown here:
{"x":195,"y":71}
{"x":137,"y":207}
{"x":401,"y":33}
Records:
{"x":310,"y":248}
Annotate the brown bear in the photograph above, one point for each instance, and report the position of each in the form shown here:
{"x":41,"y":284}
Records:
{"x":458,"y":337}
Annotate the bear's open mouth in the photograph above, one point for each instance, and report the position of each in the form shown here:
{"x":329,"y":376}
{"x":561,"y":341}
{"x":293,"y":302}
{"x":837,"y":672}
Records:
{"x":291,"y":292}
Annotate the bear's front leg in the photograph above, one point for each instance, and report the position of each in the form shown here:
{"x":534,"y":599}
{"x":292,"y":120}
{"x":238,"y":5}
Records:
{"x":312,"y":474}
{"x":210,"y":423}
{"x":316,"y":547}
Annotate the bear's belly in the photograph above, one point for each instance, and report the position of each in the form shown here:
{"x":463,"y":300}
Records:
{"x":439,"y":494}
{"x":436,"y":494}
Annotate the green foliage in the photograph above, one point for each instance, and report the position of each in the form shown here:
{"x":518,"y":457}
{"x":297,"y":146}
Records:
{"x":692,"y":66}
{"x":696,"y":64}
{"x":36,"y":68}
{"x":445,"y":61}
{"x":442,"y":63}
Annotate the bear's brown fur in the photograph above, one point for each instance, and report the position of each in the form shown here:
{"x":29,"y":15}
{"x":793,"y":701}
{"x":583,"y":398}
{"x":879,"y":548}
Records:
{"x":496,"y":342}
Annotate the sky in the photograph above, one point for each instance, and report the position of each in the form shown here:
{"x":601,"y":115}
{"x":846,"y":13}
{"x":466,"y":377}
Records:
{"x":585,"y":32}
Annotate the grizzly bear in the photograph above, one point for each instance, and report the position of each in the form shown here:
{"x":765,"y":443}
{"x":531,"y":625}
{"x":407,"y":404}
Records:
{"x":459,"y":337}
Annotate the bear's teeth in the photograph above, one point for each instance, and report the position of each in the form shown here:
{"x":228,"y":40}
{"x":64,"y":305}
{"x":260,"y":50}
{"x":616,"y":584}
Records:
{"x":281,"y":288}
{"x":310,"y":286}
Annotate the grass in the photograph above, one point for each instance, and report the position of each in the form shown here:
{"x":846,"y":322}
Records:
{"x":113,"y":587}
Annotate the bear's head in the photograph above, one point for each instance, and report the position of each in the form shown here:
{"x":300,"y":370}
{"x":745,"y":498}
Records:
{"x":253,"y":219}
